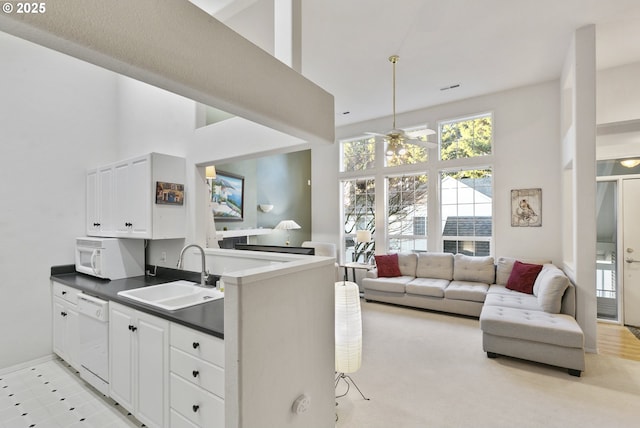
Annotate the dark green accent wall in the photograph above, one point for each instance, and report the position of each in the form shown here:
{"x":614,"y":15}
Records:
{"x":282,"y":181}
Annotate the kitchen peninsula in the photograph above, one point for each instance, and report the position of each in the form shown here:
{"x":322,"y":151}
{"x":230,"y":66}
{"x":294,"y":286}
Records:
{"x":277,"y":324}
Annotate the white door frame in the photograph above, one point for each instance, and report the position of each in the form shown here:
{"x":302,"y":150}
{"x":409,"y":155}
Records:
{"x":620,"y":242}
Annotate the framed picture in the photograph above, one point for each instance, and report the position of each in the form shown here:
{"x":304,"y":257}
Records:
{"x":526,"y":207}
{"x":169,"y":193}
{"x":227,"y":196}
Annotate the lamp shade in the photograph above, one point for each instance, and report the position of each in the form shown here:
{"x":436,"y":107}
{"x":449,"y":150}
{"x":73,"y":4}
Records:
{"x":363,"y":236}
{"x":210,"y":171}
{"x":287,"y":225}
{"x":348,"y":334}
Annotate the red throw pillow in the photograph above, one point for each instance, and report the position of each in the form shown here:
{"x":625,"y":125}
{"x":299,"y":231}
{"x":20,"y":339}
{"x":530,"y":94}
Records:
{"x":523,"y":276}
{"x":388,"y":265}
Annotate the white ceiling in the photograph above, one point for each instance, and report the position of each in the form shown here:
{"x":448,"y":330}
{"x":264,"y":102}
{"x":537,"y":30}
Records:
{"x":483,"y":45}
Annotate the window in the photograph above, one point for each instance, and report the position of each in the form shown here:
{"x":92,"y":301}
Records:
{"x":455,"y":187}
{"x":359,"y":214}
{"x":358,"y":155}
{"x":400,"y":153}
{"x":466,"y":138}
{"x":466,"y":211}
{"x":407,"y":213}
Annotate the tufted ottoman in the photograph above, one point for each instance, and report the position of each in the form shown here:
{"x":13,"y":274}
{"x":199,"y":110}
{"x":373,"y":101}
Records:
{"x":530,"y":334}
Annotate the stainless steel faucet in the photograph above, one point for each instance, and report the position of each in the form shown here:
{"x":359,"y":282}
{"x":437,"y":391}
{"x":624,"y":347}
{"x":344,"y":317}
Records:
{"x":204,"y":276}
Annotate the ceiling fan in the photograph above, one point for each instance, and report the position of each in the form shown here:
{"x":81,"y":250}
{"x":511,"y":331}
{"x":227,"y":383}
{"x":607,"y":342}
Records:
{"x":396,"y":136}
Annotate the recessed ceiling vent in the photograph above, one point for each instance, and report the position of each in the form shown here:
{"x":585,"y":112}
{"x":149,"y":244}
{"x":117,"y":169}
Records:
{"x":446,"y":88}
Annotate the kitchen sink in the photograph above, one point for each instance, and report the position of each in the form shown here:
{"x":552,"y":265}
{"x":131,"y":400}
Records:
{"x":173,"y":295}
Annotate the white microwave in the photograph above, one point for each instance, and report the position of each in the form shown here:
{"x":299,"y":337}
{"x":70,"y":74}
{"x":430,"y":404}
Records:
{"x":110,"y":258}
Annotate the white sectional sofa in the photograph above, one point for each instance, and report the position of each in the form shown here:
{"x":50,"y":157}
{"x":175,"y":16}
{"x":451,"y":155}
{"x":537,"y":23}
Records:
{"x":539,"y":327}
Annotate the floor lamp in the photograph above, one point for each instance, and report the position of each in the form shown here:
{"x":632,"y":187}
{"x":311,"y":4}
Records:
{"x":348,"y":333}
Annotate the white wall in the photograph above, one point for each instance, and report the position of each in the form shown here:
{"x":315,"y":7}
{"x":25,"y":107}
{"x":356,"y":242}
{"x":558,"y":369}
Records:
{"x":526,"y":153}
{"x":57,"y":116}
{"x":618,"y":94}
{"x":578,"y":125}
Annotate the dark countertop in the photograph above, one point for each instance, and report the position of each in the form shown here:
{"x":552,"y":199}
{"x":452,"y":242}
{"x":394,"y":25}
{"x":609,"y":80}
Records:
{"x":205,"y":317}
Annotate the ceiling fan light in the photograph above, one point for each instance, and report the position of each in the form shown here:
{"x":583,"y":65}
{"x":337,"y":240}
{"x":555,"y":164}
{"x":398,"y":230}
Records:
{"x":402,"y":151}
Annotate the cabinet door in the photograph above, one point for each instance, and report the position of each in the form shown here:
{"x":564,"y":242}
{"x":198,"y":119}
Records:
{"x":121,"y":198}
{"x":152,"y":377}
{"x":132,"y":198}
{"x":105,"y":201}
{"x":121,"y":355}
{"x":59,"y":326}
{"x":140,"y":201}
{"x":92,"y":216}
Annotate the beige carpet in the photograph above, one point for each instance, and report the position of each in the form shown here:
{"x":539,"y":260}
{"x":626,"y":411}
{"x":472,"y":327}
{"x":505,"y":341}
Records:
{"x":425,"y":369}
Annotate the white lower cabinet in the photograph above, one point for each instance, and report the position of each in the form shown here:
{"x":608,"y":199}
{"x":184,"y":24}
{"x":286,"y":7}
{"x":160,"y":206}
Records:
{"x":65,"y":323}
{"x":139,"y":364}
{"x":197,"y":379}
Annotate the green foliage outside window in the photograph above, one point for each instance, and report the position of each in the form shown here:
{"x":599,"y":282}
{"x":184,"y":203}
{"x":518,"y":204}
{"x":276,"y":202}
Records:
{"x":358,"y":155}
{"x":466,"y":138}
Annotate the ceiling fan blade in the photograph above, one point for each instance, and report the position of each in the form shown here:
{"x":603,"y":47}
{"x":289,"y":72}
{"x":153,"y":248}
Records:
{"x":420,"y":133}
{"x":376,"y":134}
{"x":426,"y":144}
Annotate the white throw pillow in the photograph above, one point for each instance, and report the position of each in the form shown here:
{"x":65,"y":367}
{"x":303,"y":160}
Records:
{"x":549,"y":287}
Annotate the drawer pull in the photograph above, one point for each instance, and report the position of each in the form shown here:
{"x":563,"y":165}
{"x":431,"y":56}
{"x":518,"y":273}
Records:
{"x":196,"y":345}
{"x":64,"y":292}
{"x":195,"y":373}
{"x":132,"y":327}
{"x":195,"y":408}
{"x":64,"y":314}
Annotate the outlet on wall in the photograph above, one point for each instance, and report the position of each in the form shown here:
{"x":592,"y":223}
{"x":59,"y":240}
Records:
{"x":163,"y":256}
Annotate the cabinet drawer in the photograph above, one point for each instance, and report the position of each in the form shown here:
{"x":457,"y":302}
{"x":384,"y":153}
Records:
{"x":197,"y":405}
{"x":65,"y":292}
{"x":179,"y":421}
{"x":204,"y":346}
{"x":198,"y":372}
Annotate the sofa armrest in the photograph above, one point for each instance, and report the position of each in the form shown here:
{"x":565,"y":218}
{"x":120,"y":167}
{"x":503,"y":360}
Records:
{"x":372,"y":273}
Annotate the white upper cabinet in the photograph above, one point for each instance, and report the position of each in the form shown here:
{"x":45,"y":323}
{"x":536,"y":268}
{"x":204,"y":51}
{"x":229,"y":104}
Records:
{"x":121,"y":198}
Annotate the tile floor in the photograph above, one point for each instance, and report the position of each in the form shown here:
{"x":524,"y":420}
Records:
{"x":52,"y":395}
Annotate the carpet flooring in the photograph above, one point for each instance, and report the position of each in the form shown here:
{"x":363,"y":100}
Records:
{"x":426,"y":369}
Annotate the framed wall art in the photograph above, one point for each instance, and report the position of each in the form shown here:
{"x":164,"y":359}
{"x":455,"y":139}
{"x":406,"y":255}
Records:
{"x":169,"y":193}
{"x":227,"y":196}
{"x":526,"y":207}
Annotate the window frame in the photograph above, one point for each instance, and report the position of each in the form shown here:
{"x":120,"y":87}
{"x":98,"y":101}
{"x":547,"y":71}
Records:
{"x":432,"y":168}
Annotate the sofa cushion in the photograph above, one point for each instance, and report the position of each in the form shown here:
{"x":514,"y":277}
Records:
{"x":466,"y":290}
{"x":475,"y":269}
{"x":514,"y":299}
{"x":387,"y":265}
{"x":390,"y":284}
{"x":435,"y":265}
{"x":523,"y":276}
{"x":550,"y":286}
{"x":536,"y":326}
{"x":407,"y":263}
{"x":505,"y":264}
{"x":427,"y":286}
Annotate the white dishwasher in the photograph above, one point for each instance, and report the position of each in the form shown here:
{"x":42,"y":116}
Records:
{"x":93,"y":347}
